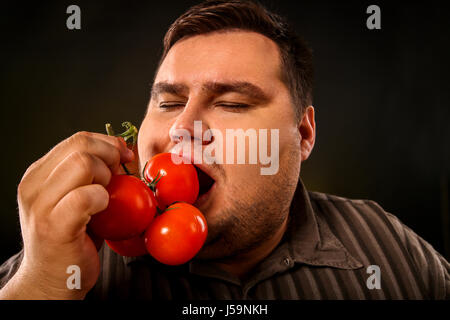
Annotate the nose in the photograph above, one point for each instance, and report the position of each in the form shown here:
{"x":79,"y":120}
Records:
{"x":191,"y":125}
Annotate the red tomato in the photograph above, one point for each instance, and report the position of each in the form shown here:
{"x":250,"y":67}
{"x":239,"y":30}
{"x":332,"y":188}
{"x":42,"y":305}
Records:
{"x":133,"y":247}
{"x":176,"y":236}
{"x":131,"y":208}
{"x":174,"y":182}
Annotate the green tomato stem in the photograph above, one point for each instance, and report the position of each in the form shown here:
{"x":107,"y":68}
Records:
{"x":130,"y":133}
{"x":109,"y":129}
{"x":152,"y":185}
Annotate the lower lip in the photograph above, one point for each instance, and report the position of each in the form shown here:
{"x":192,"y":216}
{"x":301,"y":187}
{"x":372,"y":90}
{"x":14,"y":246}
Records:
{"x":204,"y":197}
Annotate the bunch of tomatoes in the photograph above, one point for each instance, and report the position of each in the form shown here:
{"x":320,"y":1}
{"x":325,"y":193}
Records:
{"x":154,"y":215}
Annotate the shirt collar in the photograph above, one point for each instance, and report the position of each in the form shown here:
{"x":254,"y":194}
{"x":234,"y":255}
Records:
{"x":310,"y":239}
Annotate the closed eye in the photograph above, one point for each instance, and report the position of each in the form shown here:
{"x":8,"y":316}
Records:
{"x":234,"y":107}
{"x":172,"y":105}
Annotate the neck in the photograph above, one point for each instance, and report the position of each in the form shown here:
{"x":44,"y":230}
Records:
{"x":242,"y":264}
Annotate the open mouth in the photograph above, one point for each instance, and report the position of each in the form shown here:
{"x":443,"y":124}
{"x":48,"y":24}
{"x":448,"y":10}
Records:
{"x":205,"y":181}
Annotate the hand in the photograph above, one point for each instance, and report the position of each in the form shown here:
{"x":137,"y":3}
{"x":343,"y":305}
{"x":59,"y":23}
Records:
{"x":57,"y":196}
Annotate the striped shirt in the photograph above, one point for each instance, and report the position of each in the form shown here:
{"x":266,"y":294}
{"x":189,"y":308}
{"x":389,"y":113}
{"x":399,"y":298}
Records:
{"x":333,"y":248}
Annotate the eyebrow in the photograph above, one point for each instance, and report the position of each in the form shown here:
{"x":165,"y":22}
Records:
{"x":217,"y":88}
{"x":171,"y":88}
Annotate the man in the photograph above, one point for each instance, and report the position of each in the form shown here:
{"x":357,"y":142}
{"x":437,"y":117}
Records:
{"x":230,"y":65}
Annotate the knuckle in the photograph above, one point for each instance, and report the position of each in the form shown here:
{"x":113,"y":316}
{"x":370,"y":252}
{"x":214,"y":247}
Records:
{"x":82,"y":161}
{"x":22,"y":190}
{"x":32,"y":168}
{"x":81,"y":139}
{"x":25,"y":191}
{"x":24,"y":196}
{"x":81,"y":200}
{"x":23,"y":186}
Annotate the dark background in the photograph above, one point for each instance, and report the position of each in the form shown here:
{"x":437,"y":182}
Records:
{"x":381,"y":96}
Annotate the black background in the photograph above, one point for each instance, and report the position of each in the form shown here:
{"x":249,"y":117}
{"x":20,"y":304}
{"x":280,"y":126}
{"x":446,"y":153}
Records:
{"x":381,"y":96}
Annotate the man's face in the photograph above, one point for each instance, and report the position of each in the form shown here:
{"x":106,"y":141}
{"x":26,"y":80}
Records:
{"x":228,"y":80}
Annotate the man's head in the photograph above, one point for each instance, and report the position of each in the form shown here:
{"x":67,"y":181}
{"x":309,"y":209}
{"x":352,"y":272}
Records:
{"x":233,"y":65}
{"x":296,"y":68}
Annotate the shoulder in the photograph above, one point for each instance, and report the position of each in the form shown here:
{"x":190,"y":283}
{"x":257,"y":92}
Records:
{"x":374,"y":234}
{"x":363,"y":212}
{"x":355,"y":211}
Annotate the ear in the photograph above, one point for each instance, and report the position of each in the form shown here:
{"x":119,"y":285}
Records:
{"x":307,"y":129}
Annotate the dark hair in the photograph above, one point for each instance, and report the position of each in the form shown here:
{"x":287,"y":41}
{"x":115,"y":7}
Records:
{"x":221,"y":15}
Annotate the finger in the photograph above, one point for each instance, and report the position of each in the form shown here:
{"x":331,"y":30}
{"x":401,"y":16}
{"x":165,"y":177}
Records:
{"x":112,"y":150}
{"x":70,"y":216}
{"x":133,"y":166}
{"x":76,"y":170}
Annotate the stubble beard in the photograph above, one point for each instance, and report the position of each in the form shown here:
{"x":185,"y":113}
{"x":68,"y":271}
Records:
{"x":251,"y":216}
